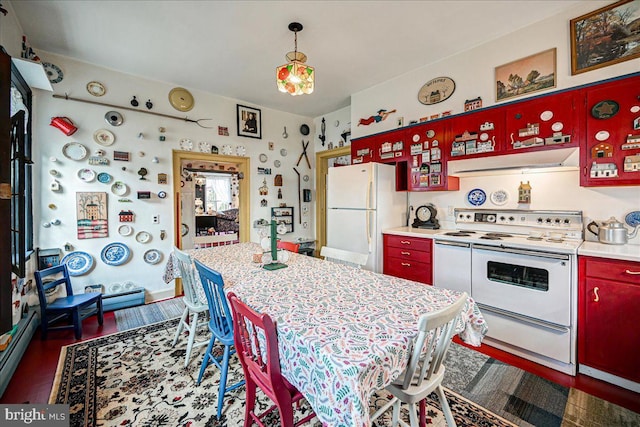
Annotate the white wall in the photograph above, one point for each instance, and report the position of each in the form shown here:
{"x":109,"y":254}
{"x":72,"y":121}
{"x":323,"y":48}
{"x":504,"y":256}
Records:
{"x":473,"y":73}
{"x":49,"y":141}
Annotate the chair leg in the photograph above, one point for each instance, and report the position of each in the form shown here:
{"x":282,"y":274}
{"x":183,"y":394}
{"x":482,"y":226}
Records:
{"x":192,"y":336}
{"x":250,"y":402}
{"x":423,"y":413}
{"x":183,"y":319}
{"x":446,"y":410}
{"x":286,"y":413}
{"x":205,"y":360}
{"x":222,"y":388}
{"x":43,"y":326}
{"x":100,"y":312}
{"x":396,"y":413}
{"x":413,"y":415}
{"x":77,"y":323}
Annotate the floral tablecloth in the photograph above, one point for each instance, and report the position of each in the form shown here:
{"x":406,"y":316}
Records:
{"x":343,"y":332}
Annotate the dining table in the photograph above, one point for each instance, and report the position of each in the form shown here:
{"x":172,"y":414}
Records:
{"x":343,"y":332}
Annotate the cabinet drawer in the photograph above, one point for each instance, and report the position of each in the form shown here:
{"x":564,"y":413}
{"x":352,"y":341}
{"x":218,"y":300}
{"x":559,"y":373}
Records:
{"x":406,"y":269}
{"x":408,"y":242}
{"x":613,"y":269}
{"x":408,"y":253}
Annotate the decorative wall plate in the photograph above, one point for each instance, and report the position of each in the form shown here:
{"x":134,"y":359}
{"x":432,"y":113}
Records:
{"x":283,"y":152}
{"x":281,"y":228}
{"x":113,"y":118}
{"x":104,"y":137}
{"x":305,"y":178}
{"x":186,"y":144}
{"x":477,"y":197}
{"x":96,"y":88}
{"x":119,"y":188}
{"x":162,"y":194}
{"x":276,"y":163}
{"x":143,"y":237}
{"x":115,"y":253}
{"x":263,"y":158}
{"x":104,"y":177}
{"x":152,"y":256}
{"x":78,"y":263}
{"x":304,"y":129}
{"x":632,"y":218}
{"x":436,"y":90}
{"x":74,"y":151}
{"x":227,"y":150}
{"x":184,"y":229}
{"x":87,"y":175}
{"x":204,"y":147}
{"x":125,"y":230}
{"x":181,"y":99}
{"x":240,"y":150}
{"x":499,"y":197}
{"x":605,"y":109}
{"x":54,"y":73}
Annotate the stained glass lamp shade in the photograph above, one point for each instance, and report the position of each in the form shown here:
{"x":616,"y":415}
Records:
{"x":295,"y":77}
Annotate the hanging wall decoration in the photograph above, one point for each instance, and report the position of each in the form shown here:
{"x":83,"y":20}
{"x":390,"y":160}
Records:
{"x":380,"y":116}
{"x":92,"y":214}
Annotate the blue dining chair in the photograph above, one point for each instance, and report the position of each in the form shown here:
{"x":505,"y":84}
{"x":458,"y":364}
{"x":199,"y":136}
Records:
{"x":72,"y":308}
{"x":221,"y":327}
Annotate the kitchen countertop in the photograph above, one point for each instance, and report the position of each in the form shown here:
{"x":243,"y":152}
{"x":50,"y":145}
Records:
{"x":624,"y":252}
{"x":415,"y":232}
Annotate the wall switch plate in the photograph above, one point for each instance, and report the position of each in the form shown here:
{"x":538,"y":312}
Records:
{"x":450,"y":211}
{"x":156,"y":219}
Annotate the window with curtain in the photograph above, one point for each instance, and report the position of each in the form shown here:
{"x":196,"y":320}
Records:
{"x":218,"y":192}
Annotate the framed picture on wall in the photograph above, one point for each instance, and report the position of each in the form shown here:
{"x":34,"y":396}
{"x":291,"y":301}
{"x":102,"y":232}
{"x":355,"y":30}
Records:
{"x":249,"y":122}
{"x":526,"y":75}
{"x":605,"y":36}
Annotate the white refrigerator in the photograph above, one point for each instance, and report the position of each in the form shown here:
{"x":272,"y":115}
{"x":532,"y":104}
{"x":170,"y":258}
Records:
{"x":362,"y":201}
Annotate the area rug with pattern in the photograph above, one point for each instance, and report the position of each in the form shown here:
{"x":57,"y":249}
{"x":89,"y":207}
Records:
{"x":136,"y":378}
{"x":134,"y":317}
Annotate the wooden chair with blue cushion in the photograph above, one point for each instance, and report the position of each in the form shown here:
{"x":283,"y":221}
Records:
{"x":221,"y":327}
{"x":72,"y":308}
{"x":256,"y":340}
{"x":194,"y":304}
{"x":426,"y":369}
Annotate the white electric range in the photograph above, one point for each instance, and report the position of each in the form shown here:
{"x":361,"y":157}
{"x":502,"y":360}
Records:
{"x":520,"y":266}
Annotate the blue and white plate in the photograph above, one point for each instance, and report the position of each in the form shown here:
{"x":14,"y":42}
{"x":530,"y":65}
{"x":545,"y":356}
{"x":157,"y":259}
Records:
{"x":152,"y":256}
{"x":632,"y":219}
{"x":115,"y":254}
{"x":78,"y":263}
{"x":104,"y":177}
{"x":477,"y":197}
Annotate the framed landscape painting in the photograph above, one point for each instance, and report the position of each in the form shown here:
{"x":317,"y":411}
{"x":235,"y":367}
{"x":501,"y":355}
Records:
{"x":605,"y":36}
{"x":526,"y":75}
{"x":249,"y":122}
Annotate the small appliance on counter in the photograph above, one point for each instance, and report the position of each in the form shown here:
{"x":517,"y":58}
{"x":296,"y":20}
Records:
{"x":426,"y":217}
{"x":612,"y":232}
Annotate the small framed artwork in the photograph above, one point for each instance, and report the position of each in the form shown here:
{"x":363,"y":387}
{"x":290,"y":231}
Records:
{"x":526,"y":75}
{"x":605,"y":36}
{"x":249,"y":122}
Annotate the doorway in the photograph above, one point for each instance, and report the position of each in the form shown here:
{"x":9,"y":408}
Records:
{"x":325,"y":160}
{"x":238,"y":166}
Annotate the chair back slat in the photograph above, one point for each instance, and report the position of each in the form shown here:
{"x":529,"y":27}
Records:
{"x":430,"y":347}
{"x":256,"y":342}
{"x":219,"y":312}
{"x":341,"y":256}
{"x":188,"y":277}
{"x":288,"y":246}
{"x":60,"y":275}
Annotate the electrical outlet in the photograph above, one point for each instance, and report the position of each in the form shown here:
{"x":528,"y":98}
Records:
{"x":156,"y":219}
{"x":450,"y":211}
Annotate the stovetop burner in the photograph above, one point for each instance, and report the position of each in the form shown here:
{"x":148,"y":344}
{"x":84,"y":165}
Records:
{"x":488,"y":237}
{"x":498,"y":235}
{"x":459,"y":233}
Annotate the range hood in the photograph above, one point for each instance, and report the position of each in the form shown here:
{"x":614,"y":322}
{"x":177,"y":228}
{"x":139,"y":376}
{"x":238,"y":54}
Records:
{"x":561,"y":159}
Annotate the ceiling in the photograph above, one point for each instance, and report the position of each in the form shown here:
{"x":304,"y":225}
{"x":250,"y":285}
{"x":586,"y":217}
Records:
{"x":232,"y":48}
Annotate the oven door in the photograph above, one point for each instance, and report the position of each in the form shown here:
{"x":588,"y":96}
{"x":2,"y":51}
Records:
{"x":536,"y":284}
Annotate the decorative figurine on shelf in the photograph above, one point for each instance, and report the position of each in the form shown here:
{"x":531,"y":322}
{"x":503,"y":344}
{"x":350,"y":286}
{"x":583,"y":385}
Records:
{"x":199,"y":206}
{"x":264,"y":190}
{"x":524,"y":192}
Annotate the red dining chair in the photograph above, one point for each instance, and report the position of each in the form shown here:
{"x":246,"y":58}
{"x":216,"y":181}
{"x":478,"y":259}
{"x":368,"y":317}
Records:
{"x":289,"y":246}
{"x":260,"y":362}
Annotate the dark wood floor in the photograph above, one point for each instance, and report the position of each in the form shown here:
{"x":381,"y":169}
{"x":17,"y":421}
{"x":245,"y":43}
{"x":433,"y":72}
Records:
{"x":34,"y":377}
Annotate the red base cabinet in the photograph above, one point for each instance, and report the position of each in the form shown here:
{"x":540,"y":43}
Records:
{"x":408,"y":257}
{"x":608,"y":298}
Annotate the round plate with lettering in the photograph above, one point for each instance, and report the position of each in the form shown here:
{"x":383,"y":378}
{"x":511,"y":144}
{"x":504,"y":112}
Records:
{"x":436,"y":90}
{"x":181,"y":99}
{"x":605,"y":109}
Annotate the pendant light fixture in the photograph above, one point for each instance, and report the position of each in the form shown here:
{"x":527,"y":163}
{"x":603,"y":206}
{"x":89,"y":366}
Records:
{"x":295,"y":77}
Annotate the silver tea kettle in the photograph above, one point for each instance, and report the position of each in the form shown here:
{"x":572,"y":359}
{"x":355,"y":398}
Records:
{"x":612,"y":232}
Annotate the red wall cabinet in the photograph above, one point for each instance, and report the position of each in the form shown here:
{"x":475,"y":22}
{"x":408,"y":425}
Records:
{"x":547,"y":122}
{"x":608,"y":296}
{"x":480,"y":133}
{"x":610,"y":153}
{"x":428,"y":156}
{"x":408,"y":257}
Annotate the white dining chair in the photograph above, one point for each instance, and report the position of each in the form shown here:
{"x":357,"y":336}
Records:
{"x":341,"y":256}
{"x":426,"y":369}
{"x":195,"y":311}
